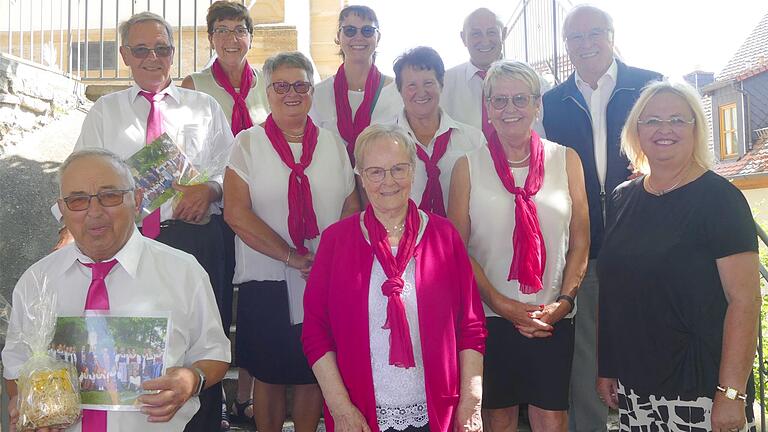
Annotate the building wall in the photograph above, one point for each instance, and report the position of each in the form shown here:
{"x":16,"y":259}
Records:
{"x":720,"y":97}
{"x":757,"y":89}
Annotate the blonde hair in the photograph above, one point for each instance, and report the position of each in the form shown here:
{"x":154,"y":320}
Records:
{"x":377,"y":131}
{"x":630,"y":140}
{"x":511,"y":69}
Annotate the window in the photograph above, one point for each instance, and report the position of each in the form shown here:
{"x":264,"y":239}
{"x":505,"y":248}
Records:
{"x":94,"y":55}
{"x":728,"y":140}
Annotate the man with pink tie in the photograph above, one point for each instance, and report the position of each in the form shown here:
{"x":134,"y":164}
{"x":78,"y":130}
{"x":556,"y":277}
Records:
{"x":111,"y":266}
{"x":125,"y":121}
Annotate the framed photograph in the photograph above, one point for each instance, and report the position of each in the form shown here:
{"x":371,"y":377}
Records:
{"x":113,"y":355}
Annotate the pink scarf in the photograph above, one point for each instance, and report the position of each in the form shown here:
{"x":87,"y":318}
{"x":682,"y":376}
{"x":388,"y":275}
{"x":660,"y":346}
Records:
{"x":432,"y":199}
{"x":241,"y":118}
{"x":349,"y":129}
{"x":529,"y":255}
{"x":302,"y":222}
{"x":400,"y":345}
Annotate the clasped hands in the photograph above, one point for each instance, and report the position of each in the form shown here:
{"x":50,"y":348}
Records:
{"x":532,"y":321}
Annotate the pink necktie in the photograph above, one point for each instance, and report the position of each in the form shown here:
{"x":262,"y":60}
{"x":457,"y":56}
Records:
{"x":97,"y":299}
{"x":150,"y":225}
{"x":486,"y":126}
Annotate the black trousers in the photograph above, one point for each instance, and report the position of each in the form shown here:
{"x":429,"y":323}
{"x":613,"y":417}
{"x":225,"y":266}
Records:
{"x":206,"y":243}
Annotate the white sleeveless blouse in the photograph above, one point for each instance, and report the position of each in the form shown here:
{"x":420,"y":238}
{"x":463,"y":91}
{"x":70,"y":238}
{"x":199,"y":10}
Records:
{"x":256,"y":100}
{"x":492,"y":212}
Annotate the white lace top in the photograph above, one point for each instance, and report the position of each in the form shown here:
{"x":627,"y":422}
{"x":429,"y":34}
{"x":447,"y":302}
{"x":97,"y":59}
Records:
{"x":401,"y":399}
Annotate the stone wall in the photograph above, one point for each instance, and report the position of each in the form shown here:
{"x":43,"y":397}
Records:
{"x":31,"y":96}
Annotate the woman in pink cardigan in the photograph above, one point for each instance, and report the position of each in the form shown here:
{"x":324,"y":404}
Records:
{"x":394,"y":327}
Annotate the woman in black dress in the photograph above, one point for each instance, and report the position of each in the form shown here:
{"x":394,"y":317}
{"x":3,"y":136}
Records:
{"x":679,"y":289}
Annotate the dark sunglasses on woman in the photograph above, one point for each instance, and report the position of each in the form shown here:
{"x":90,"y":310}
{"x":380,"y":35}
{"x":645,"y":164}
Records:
{"x":366,"y":30}
{"x":283,"y":87}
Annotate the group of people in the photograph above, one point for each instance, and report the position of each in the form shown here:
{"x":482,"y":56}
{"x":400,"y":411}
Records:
{"x":423,"y":252}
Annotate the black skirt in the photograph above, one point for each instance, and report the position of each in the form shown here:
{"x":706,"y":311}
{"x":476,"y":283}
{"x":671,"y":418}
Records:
{"x":266,"y":343}
{"x":518,"y":370}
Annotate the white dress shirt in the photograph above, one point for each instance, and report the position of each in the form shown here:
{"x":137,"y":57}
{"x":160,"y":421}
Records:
{"x":597,"y":101}
{"x":323,"y":111}
{"x":194,"y":120}
{"x":462,"y":97}
{"x":150,"y":278}
{"x":464,"y":139}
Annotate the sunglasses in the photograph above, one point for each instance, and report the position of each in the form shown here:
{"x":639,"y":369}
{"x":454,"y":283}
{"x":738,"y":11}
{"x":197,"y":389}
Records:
{"x":283,"y":87}
{"x":367,"y":30}
{"x":107,"y":198}
{"x":143,"y":52}
{"x":520,"y":100}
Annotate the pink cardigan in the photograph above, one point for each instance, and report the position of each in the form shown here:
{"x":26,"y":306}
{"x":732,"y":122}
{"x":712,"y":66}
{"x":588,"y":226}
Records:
{"x":451,"y":317}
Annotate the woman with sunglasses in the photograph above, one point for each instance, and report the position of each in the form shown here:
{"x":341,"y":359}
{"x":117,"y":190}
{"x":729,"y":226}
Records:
{"x":240,"y":91}
{"x":358,"y":95}
{"x":678,"y":272}
{"x":521,"y":207}
{"x":286,"y":181}
{"x":394,"y":324}
{"x":439,"y":139}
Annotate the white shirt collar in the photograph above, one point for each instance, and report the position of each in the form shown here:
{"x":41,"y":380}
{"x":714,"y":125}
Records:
{"x":609,"y":74}
{"x":446,"y":122}
{"x":128,"y":256}
{"x":171,"y":91}
{"x":471,"y":71}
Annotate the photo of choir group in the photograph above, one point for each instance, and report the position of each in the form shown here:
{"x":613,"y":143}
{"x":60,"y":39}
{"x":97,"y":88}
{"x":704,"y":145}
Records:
{"x":113,"y":355}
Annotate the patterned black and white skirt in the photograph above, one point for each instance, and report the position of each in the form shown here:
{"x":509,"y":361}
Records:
{"x":659,"y":414}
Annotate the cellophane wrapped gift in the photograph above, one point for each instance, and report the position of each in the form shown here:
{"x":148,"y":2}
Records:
{"x":49,"y":391}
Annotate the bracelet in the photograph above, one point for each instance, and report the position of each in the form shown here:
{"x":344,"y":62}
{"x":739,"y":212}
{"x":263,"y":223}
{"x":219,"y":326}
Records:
{"x":288,"y":258}
{"x":569,"y":299}
{"x":731,"y":393}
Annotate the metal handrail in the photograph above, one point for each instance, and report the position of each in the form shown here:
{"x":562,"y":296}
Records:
{"x":80,"y":24}
{"x":761,"y":362}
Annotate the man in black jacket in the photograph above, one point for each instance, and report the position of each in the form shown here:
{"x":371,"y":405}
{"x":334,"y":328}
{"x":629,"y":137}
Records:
{"x":587,"y":113}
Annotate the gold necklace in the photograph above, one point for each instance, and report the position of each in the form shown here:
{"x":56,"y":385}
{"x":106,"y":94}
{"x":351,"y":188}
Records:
{"x":397,"y":229}
{"x":287,"y":135}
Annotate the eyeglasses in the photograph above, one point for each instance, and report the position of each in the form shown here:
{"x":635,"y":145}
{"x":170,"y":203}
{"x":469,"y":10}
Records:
{"x":593,"y":35}
{"x":377,"y":174}
{"x":240,"y":32}
{"x":366,"y":30}
{"x":283,"y":87}
{"x":675,"y":122}
{"x":520,"y":100}
{"x":143,"y":52}
{"x":107,"y":198}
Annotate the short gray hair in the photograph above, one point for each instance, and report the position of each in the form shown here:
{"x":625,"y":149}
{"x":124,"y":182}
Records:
{"x":478,"y":11}
{"x":292,"y":59}
{"x":587,"y":7}
{"x":512,"y":69}
{"x":125,"y":26}
{"x":120,"y":166}
{"x":376,"y":131}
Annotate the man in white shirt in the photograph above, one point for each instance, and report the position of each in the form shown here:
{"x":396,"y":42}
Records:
{"x":148,"y":277}
{"x":120,"y":121}
{"x":483,"y":34}
{"x":587,"y":113}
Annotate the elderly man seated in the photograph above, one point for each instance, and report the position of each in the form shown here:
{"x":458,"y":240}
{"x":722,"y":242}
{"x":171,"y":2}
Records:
{"x":112,"y":266}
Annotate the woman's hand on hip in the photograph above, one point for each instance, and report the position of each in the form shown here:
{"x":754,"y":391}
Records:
{"x":608,"y":390}
{"x":349,"y":419}
{"x":468,"y":417}
{"x":727,"y":415}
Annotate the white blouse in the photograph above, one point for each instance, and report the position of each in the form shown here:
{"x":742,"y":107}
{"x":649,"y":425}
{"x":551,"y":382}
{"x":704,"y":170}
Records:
{"x":401,"y":398}
{"x":258,"y":107}
{"x":256,"y":162}
{"x":323,"y":111}
{"x":464,"y":139}
{"x":492,"y":211}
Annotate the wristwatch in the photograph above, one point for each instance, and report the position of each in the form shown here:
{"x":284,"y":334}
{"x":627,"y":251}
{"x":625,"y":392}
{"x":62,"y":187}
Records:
{"x":201,"y":381}
{"x":731,"y":393}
